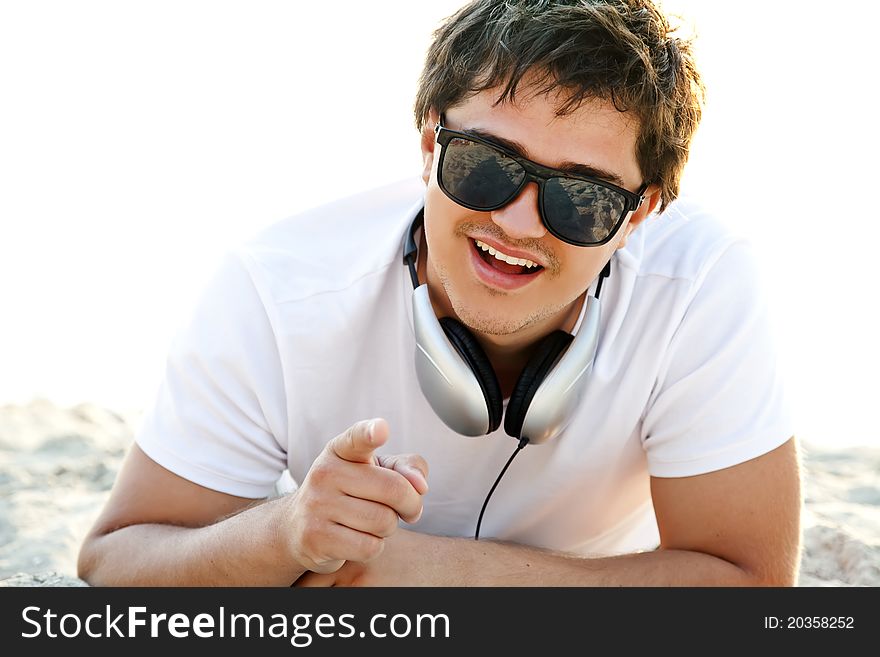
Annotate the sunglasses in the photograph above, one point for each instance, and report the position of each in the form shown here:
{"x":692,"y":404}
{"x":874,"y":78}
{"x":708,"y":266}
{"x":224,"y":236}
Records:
{"x":484,"y":176}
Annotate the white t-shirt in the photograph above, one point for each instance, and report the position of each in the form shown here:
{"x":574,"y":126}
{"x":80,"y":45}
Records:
{"x":307,"y":328}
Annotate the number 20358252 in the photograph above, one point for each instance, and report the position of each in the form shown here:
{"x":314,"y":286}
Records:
{"x":809,"y":622}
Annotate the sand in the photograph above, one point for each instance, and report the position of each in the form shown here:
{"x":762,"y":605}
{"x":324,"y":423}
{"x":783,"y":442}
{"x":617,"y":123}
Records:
{"x":57,"y":466}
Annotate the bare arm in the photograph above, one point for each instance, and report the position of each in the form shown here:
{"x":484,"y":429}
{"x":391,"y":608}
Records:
{"x":738,"y":526}
{"x":158,"y":529}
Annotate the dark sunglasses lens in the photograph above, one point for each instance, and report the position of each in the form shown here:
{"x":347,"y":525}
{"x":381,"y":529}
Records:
{"x":581,"y":211}
{"x":477,"y":175}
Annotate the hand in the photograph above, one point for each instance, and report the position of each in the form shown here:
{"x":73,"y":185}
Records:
{"x":409,"y":559}
{"x":350,"y":500}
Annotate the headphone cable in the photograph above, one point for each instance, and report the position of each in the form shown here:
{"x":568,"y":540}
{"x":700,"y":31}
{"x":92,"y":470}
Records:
{"x":522,"y":443}
{"x":605,"y":273}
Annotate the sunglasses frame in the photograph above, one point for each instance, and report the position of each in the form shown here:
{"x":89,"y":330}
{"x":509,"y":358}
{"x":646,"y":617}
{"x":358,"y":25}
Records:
{"x":538,"y":174}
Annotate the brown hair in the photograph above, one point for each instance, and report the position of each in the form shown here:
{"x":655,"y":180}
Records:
{"x":617,"y":50}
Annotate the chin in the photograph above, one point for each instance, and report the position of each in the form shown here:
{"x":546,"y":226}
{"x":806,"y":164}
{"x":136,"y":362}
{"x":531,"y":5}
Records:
{"x":491,"y":324}
{"x":494,"y":312}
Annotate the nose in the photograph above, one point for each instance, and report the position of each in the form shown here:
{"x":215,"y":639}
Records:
{"x":520,"y":219}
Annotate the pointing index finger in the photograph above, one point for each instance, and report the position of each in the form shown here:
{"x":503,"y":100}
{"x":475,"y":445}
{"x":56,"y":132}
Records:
{"x":357,"y":443}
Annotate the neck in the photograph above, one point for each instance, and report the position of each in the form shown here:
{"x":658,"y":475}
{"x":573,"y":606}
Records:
{"x":510,"y":353}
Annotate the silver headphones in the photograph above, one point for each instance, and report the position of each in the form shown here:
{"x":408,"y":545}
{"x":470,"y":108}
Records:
{"x":459,"y":383}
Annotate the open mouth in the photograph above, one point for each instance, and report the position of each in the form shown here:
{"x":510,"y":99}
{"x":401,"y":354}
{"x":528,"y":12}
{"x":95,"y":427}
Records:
{"x":502,"y":263}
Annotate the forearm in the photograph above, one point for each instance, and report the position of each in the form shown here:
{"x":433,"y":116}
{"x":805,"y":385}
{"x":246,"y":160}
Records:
{"x":463,"y":562}
{"x":242,"y":550}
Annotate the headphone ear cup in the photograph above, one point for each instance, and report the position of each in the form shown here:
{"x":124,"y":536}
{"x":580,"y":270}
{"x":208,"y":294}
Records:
{"x":530,"y":379}
{"x":472,"y":353}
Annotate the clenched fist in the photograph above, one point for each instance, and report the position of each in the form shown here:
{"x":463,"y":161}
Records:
{"x":351,"y":499}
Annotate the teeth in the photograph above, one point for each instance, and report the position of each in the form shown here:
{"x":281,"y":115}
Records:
{"x":504,"y":257}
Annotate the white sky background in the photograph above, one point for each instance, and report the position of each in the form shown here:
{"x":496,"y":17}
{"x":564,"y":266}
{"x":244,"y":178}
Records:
{"x":138,"y":140}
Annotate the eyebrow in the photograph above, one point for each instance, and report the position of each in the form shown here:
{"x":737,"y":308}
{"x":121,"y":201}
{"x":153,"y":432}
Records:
{"x":565,"y":167}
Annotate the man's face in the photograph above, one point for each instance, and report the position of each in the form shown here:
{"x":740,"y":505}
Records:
{"x":466,"y":281}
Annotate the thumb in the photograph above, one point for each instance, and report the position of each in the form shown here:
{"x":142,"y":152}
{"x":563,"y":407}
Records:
{"x":411,"y":466}
{"x":357,"y":443}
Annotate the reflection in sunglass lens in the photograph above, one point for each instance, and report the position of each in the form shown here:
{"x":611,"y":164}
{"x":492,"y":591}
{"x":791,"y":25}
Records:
{"x":478,"y":175}
{"x":581,"y":211}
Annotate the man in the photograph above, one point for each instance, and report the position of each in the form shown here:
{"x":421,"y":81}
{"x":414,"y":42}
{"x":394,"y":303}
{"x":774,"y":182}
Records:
{"x":554,"y":136}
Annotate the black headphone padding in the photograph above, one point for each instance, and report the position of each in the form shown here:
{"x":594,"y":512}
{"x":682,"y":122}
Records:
{"x":471,"y":351}
{"x":533,"y":374}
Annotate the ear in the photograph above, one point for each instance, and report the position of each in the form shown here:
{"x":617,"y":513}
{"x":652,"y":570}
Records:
{"x":428,"y":143}
{"x":652,"y":200}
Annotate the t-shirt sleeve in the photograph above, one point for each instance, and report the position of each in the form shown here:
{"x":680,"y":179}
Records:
{"x":719,"y":398}
{"x":219,"y":418}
